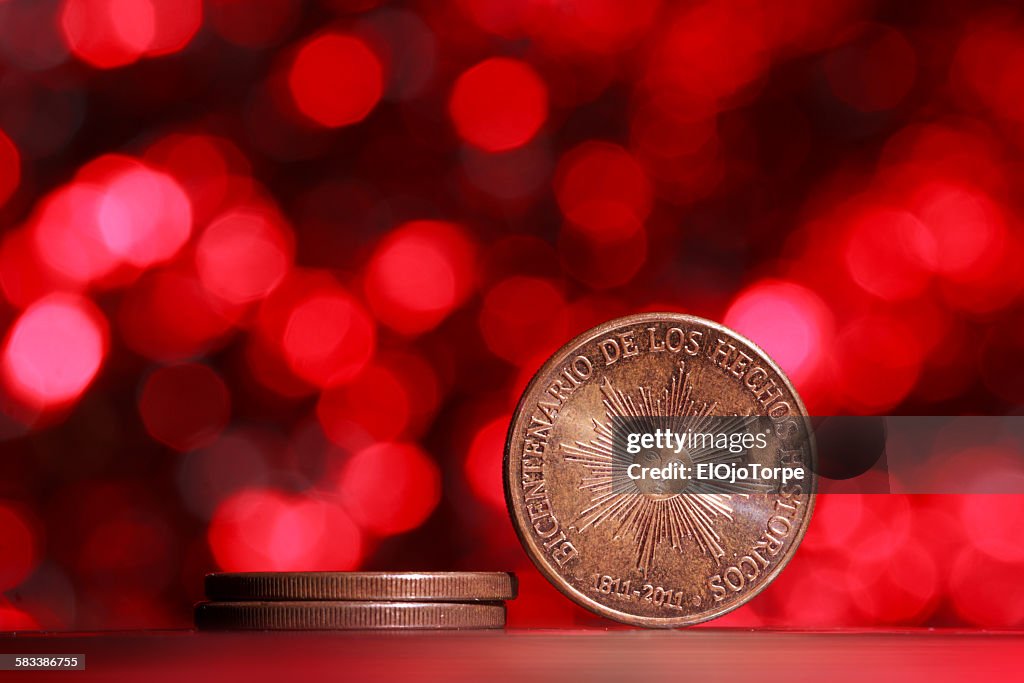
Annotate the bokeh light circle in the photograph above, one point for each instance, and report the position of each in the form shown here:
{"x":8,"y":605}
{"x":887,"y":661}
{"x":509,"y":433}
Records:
{"x":108,"y":33}
{"x":419,"y":273}
{"x":890,"y":253}
{"x":336,"y":79}
{"x":787,"y":320}
{"x":145,"y":216}
{"x":67,"y":234}
{"x":394,"y":396}
{"x":54,"y":350}
{"x":184,"y":406}
{"x":168,"y":315}
{"x":265,"y":530}
{"x":243,"y":255}
{"x":985,"y":592}
{"x":522,"y":318}
{"x":483,"y":462}
{"x":390,"y":488}
{"x":603,"y":191}
{"x":498,"y":104}
{"x":328,"y":338}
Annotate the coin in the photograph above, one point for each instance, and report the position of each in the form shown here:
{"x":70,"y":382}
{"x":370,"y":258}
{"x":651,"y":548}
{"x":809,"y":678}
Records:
{"x":346,"y":616}
{"x":390,"y":586}
{"x":650,"y":551}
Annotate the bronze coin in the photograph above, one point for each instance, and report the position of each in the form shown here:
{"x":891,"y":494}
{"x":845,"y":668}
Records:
{"x":659,"y":553}
{"x":390,"y":586}
{"x":346,"y":616}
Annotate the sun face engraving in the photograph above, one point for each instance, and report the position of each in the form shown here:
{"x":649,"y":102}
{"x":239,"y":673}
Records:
{"x":676,"y":512}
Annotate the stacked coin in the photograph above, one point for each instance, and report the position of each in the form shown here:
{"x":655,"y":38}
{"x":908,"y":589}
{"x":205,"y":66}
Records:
{"x":304,"y":601}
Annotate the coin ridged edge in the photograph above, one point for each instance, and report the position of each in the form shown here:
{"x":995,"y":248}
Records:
{"x":389,"y":586}
{"x":347,"y":616}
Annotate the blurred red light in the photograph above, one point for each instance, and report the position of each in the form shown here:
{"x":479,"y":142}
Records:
{"x":986,"y":592}
{"x":167,"y":315}
{"x":336,"y":79}
{"x":709,"y":52}
{"x":244,"y":254}
{"x":578,"y":160}
{"x":408,"y":48}
{"x":31,"y":38}
{"x":874,"y":71}
{"x":108,"y":33}
{"x":10,"y":168}
{"x":498,"y":16}
{"x":133,"y":547}
{"x":390,"y":488}
{"x":175,"y":23}
{"x":13,"y":619}
{"x":678,"y":144}
{"x":885,"y":527}
{"x":253,"y":23}
{"x":18,"y":547}
{"x":23,"y":275}
{"x":903,"y":589}
{"x":270,"y":370}
{"x":419,"y":273}
{"x":68,"y":236}
{"x":376,"y":400}
{"x":499,"y":104}
{"x":595,"y":26}
{"x":395,"y":396}
{"x":992,"y":523}
{"x":836,"y":520}
{"x":347,"y":331}
{"x":328,"y":337}
{"x":890,"y":253}
{"x":877,"y":360}
{"x":604,"y":263}
{"x":540,"y":604}
{"x":237,"y":459}
{"x":603,"y":190}
{"x":522,"y":318}
{"x":517,"y":176}
{"x":184,"y":406}
{"x":787,"y":320}
{"x":824,"y":577}
{"x":579,"y":30}
{"x":483,"y":462}
{"x":966,"y":225}
{"x":989,"y":63}
{"x":263,"y":530}
{"x":112,"y":33}
{"x":212,"y":171}
{"x":54,"y":350}
{"x":669,"y":127}
{"x":145,"y":217}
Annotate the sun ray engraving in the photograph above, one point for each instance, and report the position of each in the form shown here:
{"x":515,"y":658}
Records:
{"x":674,"y":517}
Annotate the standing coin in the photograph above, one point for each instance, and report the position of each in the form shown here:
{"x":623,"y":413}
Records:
{"x":346,"y":616}
{"x":390,"y":586}
{"x":661,"y":530}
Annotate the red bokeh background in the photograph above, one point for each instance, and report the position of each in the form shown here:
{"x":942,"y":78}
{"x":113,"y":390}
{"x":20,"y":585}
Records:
{"x":273,"y":274}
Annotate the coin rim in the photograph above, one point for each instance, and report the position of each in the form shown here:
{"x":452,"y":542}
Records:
{"x":227,"y":615}
{"x":237,"y":586}
{"x":540,"y":560}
